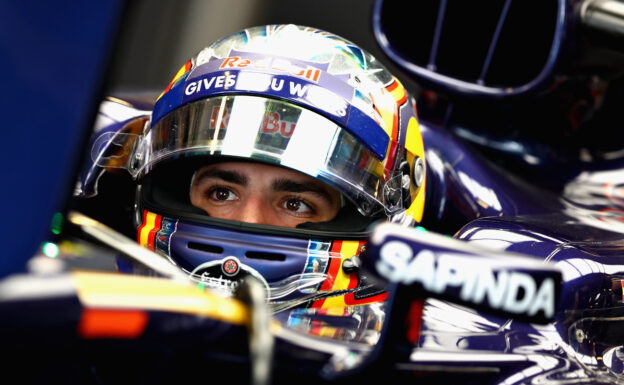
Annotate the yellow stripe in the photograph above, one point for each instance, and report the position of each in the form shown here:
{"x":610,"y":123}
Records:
{"x":150,"y":221}
{"x":415,"y":147}
{"x":336,"y":311}
{"x":180,"y":72}
{"x":348,"y":250}
{"x":413,"y":140}
{"x":119,"y":291}
{"x":326,"y":331}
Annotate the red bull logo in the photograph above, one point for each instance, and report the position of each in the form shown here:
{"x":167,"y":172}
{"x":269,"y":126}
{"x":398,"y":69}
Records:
{"x":275,"y":64}
{"x":272,"y":123}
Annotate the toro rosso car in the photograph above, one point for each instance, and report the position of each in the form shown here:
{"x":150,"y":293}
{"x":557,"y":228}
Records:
{"x":514,"y":275}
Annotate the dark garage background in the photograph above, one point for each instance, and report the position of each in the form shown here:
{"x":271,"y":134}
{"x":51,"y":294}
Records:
{"x":158,"y":36}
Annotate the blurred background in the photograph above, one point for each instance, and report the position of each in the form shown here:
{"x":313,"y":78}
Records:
{"x":158,"y":36}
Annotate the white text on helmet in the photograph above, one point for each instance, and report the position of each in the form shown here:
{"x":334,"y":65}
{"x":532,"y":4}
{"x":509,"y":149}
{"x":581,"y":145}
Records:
{"x":222,"y":81}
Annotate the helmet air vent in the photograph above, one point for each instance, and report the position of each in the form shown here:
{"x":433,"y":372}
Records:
{"x":205,"y":247}
{"x":265,"y":255}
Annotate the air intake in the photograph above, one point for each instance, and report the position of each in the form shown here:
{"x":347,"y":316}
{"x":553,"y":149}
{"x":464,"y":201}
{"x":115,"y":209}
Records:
{"x":491,"y":48}
{"x":206,"y":247}
{"x":265,"y":255}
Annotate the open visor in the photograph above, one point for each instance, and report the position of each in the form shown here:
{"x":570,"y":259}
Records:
{"x":273,"y":132}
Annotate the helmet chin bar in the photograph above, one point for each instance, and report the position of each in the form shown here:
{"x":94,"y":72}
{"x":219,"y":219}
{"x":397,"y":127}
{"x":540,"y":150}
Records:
{"x":225,"y":276}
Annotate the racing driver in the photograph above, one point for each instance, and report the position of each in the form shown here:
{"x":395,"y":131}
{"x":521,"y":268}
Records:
{"x":272,"y":152}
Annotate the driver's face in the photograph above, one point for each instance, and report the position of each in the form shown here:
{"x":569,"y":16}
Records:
{"x":262,"y":194}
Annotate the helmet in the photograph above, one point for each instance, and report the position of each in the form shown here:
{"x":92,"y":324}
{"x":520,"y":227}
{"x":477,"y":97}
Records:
{"x":297,"y":98}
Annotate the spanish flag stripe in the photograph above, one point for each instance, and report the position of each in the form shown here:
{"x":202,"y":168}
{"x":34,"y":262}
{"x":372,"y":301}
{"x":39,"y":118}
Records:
{"x":342,"y":281}
{"x":152,"y":234}
{"x":400,"y":97}
{"x":392,"y":86}
{"x":350,"y":298}
{"x":334,"y":265}
{"x":146,"y":234}
{"x":348,"y":250}
{"x":184,"y":69}
{"x":398,"y":92}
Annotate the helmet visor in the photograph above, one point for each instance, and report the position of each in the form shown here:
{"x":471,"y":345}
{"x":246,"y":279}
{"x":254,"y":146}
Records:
{"x":273,"y":132}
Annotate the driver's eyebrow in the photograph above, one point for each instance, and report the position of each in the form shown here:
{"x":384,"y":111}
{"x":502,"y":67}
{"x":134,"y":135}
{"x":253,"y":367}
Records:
{"x":294,"y":186}
{"x":226,"y":175}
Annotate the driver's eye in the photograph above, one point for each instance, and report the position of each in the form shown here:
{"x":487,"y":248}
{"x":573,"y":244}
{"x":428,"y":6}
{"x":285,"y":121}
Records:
{"x":221,"y":194}
{"x":297,"y":205}
{"x":293,"y":205}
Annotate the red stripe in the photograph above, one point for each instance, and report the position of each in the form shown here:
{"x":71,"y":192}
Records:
{"x":377,"y":110}
{"x":350,"y":299}
{"x":106,"y":323}
{"x":401,"y":101}
{"x":391,"y":158}
{"x":395,"y":123}
{"x":392,"y":86}
{"x":413,"y":321}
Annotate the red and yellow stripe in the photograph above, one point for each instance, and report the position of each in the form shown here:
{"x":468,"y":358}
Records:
{"x":343,"y":281}
{"x":389,"y":111}
{"x":150,"y":226}
{"x":183,"y":70}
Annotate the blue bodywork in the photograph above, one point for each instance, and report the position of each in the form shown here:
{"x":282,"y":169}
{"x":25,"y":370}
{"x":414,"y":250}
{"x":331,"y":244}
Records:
{"x":55,"y":59}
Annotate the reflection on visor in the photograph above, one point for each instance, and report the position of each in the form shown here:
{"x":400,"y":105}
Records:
{"x":273,"y":132}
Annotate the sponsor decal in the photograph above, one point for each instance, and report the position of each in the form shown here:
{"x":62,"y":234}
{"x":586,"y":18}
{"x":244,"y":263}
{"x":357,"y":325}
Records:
{"x":225,"y":274}
{"x":225,"y":81}
{"x":273,"y":64}
{"x":273,"y":122}
{"x":472,"y":280}
{"x":249,"y":72}
{"x":286,"y":87}
{"x":230,"y":266}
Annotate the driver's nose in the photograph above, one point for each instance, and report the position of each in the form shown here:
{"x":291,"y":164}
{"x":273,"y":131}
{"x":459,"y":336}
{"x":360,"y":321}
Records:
{"x":257,"y":210}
